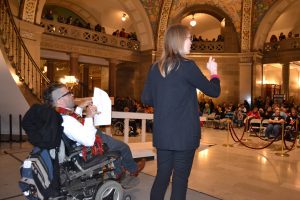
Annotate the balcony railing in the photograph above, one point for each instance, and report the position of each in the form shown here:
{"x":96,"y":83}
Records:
{"x":287,"y":44}
{"x":207,"y":47}
{"x":73,"y":32}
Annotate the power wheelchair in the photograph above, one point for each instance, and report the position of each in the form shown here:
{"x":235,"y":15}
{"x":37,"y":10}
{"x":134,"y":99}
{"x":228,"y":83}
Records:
{"x":93,"y":178}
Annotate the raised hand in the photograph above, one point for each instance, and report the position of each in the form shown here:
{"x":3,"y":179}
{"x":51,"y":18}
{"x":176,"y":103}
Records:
{"x":212,"y":66}
{"x":91,"y":110}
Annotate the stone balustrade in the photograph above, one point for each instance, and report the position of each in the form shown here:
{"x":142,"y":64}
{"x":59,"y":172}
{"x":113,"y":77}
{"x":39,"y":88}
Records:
{"x":74,"y":32}
{"x":131,"y":115}
{"x":287,"y":44}
{"x":207,"y":47}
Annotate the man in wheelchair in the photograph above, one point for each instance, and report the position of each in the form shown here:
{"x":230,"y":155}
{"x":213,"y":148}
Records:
{"x":94,"y":164}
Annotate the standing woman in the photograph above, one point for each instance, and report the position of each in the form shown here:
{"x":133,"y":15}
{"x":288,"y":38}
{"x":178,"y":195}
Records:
{"x":171,"y":89}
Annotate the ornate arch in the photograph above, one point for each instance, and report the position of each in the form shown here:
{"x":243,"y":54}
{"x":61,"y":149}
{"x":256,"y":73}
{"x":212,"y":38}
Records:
{"x":267,"y":22}
{"x":84,"y":14}
{"x":207,"y":9}
{"x":142,"y":23}
{"x":163,"y":23}
{"x":28,"y":10}
{"x":133,"y":7}
{"x":214,"y":11}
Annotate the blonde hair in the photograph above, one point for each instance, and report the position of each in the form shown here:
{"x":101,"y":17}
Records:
{"x":175,"y":37}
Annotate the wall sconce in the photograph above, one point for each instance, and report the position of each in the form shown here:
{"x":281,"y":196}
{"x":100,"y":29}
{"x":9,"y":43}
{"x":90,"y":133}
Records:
{"x":193,"y":21}
{"x":124,"y":17}
{"x":69,"y":81}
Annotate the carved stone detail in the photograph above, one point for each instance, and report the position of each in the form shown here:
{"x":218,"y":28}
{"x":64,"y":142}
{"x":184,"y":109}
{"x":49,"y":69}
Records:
{"x":27,"y":35}
{"x":29,"y":10}
{"x":246,"y":26}
{"x":82,"y":48}
{"x":163,"y":23}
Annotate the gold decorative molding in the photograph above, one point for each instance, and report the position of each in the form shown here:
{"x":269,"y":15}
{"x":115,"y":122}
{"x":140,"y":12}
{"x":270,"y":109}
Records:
{"x":27,"y":35}
{"x":246,"y":26}
{"x":29,"y":10}
{"x":84,"y":48}
{"x":163,"y":24}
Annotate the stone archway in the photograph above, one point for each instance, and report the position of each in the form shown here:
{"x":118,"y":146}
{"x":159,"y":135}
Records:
{"x":133,"y":7}
{"x":269,"y":19}
{"x":230,"y":31}
{"x":80,"y":11}
{"x":142,"y":23}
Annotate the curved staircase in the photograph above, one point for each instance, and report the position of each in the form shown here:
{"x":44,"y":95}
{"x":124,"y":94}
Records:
{"x":21,"y":80}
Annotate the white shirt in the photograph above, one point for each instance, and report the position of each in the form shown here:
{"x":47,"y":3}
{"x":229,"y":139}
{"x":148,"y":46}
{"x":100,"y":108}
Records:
{"x":82,"y":134}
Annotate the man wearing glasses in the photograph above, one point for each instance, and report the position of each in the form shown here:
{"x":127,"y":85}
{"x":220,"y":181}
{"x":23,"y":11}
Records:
{"x":82,"y":130}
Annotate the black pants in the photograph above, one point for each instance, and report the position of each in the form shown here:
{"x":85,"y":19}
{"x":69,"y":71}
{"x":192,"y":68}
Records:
{"x":178,"y":163}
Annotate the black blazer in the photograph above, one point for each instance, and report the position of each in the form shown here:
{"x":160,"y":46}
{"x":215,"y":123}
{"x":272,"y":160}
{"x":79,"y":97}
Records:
{"x":174,"y":98}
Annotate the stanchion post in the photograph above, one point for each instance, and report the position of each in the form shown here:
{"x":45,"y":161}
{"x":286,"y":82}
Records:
{"x":282,"y":154}
{"x":227,"y":142}
{"x":247,"y":127}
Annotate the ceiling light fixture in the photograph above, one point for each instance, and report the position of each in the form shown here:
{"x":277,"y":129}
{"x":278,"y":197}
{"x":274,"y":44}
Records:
{"x":124,"y":17}
{"x":223,"y":22}
{"x":193,"y":21}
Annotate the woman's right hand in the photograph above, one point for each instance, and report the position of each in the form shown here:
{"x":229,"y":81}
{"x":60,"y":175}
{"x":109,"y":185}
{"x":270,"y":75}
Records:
{"x":212,"y":66}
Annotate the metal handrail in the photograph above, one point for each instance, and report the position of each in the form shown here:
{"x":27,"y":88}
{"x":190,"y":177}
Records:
{"x":21,"y":60}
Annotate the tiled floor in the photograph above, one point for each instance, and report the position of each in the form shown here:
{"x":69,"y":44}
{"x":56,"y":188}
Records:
{"x":225,"y":172}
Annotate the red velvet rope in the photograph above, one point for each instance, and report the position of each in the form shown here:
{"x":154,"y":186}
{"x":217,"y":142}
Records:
{"x":236,"y":139}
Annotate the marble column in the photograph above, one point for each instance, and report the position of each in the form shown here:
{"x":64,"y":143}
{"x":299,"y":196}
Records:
{"x":285,"y":79}
{"x":112,"y":77}
{"x":85,"y":81}
{"x":245,"y":78}
{"x":74,"y":65}
{"x":50,"y":70}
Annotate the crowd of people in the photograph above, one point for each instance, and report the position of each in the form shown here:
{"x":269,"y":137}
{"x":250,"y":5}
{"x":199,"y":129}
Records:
{"x":220,"y":38}
{"x":49,"y":15}
{"x":124,"y":34}
{"x":277,"y":114}
{"x":282,"y":36}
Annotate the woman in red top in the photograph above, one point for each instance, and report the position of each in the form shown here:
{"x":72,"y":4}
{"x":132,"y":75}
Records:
{"x":253,"y":114}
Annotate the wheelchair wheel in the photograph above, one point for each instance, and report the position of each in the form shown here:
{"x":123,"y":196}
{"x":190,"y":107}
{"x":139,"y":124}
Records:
{"x":110,"y":190}
{"x":118,"y":129}
{"x":127,"y":197}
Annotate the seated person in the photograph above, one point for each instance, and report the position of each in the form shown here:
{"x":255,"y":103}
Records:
{"x":238,"y":117}
{"x":269,"y":112}
{"x":275,"y":124}
{"x":220,"y":119}
{"x":206,"y":110}
{"x":82,"y":130}
{"x":291,"y":124}
{"x":254,"y":114}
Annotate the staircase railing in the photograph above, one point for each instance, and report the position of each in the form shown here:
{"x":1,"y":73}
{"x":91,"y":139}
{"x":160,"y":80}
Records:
{"x":21,"y":60}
